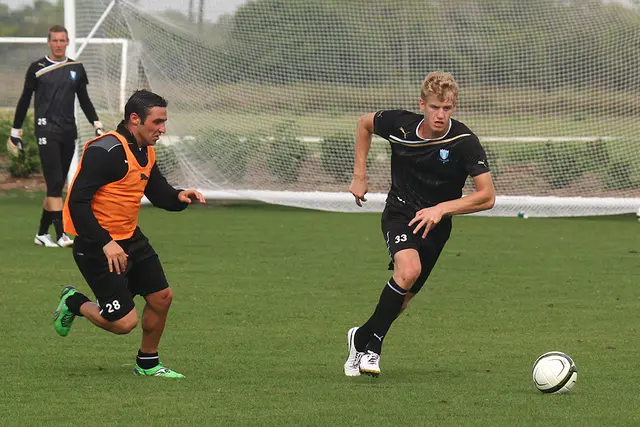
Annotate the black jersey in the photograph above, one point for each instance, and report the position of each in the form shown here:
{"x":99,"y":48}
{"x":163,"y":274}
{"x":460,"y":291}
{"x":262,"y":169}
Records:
{"x":55,"y":85}
{"x":425,"y":172}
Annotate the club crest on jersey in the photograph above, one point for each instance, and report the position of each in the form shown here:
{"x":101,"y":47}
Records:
{"x":444,"y":155}
{"x":73,"y":74}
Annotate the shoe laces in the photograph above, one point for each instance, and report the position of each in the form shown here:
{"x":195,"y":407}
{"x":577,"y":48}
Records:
{"x":355,"y":362}
{"x":373,"y":357}
{"x":67,"y":319}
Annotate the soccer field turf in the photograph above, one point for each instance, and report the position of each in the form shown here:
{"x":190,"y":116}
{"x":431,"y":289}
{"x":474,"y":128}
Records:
{"x":263,"y":297}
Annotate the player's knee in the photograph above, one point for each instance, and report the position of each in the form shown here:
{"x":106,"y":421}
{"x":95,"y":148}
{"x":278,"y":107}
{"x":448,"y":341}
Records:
{"x":54,"y":188}
{"x":161,"y":300}
{"x":408,"y":274}
{"x":125,"y":325}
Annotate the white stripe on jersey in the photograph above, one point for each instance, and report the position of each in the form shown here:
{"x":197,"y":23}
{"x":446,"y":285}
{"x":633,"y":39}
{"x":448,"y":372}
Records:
{"x":49,"y":67}
{"x":424,"y":142}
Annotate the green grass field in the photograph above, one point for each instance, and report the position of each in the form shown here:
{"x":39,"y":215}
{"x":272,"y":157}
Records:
{"x":264,"y":297}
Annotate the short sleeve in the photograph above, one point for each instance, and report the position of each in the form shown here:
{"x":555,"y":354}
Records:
{"x":385,"y":121}
{"x":474,"y":157}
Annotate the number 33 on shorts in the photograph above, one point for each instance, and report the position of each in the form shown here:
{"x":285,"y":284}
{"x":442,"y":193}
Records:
{"x":400,"y":238}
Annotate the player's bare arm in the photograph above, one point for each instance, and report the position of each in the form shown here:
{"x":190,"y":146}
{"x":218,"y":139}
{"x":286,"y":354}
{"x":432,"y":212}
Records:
{"x":482,"y":199}
{"x":359,"y":185}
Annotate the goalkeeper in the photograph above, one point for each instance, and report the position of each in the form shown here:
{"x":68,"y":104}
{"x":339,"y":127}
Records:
{"x":56,"y":79}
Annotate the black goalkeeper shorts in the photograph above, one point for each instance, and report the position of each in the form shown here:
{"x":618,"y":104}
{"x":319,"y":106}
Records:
{"x":56,"y":153}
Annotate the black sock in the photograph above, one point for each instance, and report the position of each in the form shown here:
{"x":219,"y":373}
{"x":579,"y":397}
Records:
{"x":387,"y":311}
{"x":56,"y":219}
{"x":75,"y":301}
{"x":147,"y":360}
{"x":45,"y":222}
{"x":363,"y":334}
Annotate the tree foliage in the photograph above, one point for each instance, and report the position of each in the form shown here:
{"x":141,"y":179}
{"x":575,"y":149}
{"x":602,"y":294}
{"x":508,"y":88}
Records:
{"x":30,"y":20}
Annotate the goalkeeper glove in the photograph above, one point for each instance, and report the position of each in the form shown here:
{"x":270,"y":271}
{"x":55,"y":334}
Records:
{"x":15,"y":145}
{"x":98,"y":128}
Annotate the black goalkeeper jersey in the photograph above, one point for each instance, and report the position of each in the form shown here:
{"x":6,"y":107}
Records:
{"x":56,"y":85}
{"x":425,"y":172}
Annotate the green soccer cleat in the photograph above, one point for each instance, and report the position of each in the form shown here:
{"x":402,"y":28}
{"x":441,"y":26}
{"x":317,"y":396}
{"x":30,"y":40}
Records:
{"x":157,"y":371}
{"x":63,"y":318}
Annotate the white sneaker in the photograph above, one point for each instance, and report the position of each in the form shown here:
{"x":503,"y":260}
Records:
{"x":45,"y":240}
{"x":65,"y":241}
{"x":352,"y":365}
{"x":370,"y":364}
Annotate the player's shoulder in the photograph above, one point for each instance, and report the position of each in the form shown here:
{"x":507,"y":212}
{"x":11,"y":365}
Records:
{"x":76,"y":65}
{"x":398,"y":123}
{"x":39,"y":64}
{"x":72,"y":61}
{"x":397,"y":115}
{"x":107,"y":143}
{"x":461,"y":132}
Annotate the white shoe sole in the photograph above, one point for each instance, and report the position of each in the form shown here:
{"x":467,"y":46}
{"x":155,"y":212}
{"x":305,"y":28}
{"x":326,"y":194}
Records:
{"x":39,"y":242}
{"x":349,"y":370}
{"x":370,"y":371}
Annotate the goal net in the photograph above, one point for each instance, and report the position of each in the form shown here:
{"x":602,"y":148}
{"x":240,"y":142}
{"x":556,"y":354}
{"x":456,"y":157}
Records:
{"x":264,"y":102}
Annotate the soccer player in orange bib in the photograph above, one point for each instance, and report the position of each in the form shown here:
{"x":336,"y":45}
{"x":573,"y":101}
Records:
{"x":112,"y":253}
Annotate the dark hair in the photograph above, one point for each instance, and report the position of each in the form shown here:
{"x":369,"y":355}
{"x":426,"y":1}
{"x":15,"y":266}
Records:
{"x":141,"y":102}
{"x":57,"y":29}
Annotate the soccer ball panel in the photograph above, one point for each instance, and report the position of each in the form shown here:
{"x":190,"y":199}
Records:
{"x":554,"y":372}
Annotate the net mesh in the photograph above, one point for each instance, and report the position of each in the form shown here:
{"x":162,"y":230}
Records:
{"x":263,"y":103}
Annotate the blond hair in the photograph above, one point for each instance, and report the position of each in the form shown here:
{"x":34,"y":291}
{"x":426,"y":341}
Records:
{"x":442,"y":84}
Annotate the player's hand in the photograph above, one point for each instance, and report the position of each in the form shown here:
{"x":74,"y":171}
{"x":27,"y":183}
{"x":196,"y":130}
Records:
{"x":186,"y":196}
{"x":98,"y":128}
{"x":359,"y":187}
{"x":116,"y":257}
{"x":15,"y":145}
{"x":426,"y":219}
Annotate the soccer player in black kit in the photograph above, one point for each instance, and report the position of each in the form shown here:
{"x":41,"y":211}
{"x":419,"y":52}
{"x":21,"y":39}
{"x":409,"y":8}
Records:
{"x":432,"y":156}
{"x":56,"y":80}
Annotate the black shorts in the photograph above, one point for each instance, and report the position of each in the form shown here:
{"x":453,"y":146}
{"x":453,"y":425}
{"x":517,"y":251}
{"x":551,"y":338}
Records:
{"x":114,"y":292}
{"x":56,"y":153}
{"x":399,"y":236}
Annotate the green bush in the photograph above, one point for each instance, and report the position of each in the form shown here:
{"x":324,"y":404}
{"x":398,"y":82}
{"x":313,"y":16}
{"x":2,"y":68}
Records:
{"x":620,"y":171}
{"x":230,"y":151}
{"x":286,"y":154}
{"x":563,"y":163}
{"x":28,"y":162}
{"x":337,"y":155}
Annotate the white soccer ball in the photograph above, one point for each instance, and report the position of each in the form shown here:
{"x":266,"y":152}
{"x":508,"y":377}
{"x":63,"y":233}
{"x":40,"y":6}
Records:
{"x":554,"y":372}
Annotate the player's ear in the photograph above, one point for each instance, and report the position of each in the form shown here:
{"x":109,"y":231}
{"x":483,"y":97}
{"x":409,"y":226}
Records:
{"x":134,"y":119}
{"x":421,"y":103}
